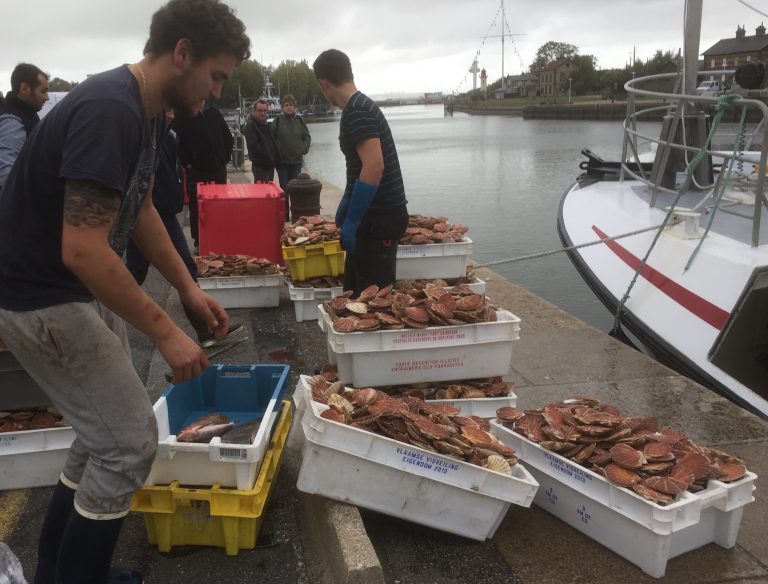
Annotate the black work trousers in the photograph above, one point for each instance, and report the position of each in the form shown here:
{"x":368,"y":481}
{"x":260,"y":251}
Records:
{"x":373,"y":262}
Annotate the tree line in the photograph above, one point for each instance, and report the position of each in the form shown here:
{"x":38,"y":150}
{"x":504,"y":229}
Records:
{"x":586,"y":78}
{"x":248,"y":82}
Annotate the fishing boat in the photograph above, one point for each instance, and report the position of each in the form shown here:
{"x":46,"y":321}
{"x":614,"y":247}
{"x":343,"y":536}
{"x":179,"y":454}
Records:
{"x":682,"y":258}
{"x":273,"y":102}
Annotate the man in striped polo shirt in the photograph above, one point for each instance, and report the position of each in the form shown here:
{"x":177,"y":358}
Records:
{"x":372,"y":214}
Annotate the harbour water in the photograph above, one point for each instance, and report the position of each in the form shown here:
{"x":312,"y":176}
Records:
{"x":501,"y":176}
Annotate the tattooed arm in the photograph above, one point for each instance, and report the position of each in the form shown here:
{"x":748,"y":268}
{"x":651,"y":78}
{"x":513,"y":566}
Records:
{"x":90,"y":211}
{"x":151,"y":237}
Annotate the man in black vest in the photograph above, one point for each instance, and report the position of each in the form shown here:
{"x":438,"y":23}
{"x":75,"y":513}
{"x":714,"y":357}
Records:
{"x":18,"y":114}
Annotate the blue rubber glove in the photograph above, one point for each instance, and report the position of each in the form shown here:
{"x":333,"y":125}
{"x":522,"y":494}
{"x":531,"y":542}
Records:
{"x":362,"y":195}
{"x":341,"y":210}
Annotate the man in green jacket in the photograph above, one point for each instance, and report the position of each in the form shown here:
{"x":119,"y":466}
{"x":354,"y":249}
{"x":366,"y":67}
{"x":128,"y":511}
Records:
{"x":293,"y":139}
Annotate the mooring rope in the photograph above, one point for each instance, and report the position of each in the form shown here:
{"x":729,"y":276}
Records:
{"x":565,"y":249}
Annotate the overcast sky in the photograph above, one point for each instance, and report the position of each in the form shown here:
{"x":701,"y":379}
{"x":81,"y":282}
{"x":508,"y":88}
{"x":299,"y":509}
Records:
{"x":394,"y":45}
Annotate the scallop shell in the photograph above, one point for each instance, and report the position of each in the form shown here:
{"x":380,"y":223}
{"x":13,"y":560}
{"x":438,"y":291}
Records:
{"x":357,"y":307}
{"x":626,"y":456}
{"x":417,"y":313}
{"x":498,"y":463}
{"x":698,"y":463}
{"x":668,"y":485}
{"x":682,"y":473}
{"x":658,"y":451}
{"x":339,"y":403}
{"x":668,"y":435}
{"x":334,"y":415}
{"x":369,"y":293}
{"x":730,"y":471}
{"x":363,"y":397}
{"x":621,"y":476}
{"x":345,"y":325}
{"x":471,"y":302}
{"x":472,"y":393}
{"x":301,"y":231}
{"x":509,"y":414}
{"x":367,"y":324}
{"x":651,"y":494}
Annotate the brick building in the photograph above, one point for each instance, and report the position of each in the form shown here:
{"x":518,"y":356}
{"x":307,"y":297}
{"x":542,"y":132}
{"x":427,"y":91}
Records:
{"x":732,"y":52}
{"x":553,"y":79}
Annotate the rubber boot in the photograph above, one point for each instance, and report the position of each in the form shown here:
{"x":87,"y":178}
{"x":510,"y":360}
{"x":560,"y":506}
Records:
{"x":59,"y":510}
{"x":86,"y":550}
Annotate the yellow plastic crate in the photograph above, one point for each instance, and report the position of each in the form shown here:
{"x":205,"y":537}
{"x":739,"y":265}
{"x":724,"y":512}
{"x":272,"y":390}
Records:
{"x":317,"y":259}
{"x":220,"y":517}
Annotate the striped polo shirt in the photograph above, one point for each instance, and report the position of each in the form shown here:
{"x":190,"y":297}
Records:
{"x":362,"y":119}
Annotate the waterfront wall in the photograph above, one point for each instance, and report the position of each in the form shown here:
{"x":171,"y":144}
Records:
{"x":584,"y":111}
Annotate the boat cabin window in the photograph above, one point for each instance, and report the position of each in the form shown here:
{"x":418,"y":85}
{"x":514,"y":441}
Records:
{"x":742,"y":347}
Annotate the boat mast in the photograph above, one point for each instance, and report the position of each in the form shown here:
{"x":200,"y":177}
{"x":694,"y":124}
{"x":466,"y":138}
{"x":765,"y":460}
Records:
{"x":691,"y":46}
{"x":503,"y":22}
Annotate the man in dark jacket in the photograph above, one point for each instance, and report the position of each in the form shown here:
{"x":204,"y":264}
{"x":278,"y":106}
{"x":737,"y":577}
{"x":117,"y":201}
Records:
{"x":205,"y":147}
{"x":262,"y":150}
{"x":18,"y":113}
{"x":168,"y":199}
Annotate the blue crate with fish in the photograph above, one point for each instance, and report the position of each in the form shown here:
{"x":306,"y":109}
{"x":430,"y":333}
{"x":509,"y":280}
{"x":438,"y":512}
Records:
{"x":216,"y":428}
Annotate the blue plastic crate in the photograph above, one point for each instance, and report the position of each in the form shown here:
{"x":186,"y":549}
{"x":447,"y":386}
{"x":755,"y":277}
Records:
{"x":241,"y":392}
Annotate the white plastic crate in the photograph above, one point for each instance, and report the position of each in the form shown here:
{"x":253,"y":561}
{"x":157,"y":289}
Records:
{"x":478,"y":286}
{"x":441,"y":353}
{"x":33,"y":458}
{"x":244,"y":291}
{"x":305,"y":300}
{"x":375,"y":472}
{"x":484,"y":407}
{"x":642,"y":532}
{"x":436,"y":260}
{"x":230,"y":465}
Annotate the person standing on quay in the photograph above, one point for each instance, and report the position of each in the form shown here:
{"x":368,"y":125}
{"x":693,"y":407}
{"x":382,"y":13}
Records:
{"x":18,"y":113}
{"x":262,"y":150}
{"x":205,"y":147}
{"x":168,"y":199}
{"x":78,"y":191}
{"x":372,"y":214}
{"x":293,"y":140}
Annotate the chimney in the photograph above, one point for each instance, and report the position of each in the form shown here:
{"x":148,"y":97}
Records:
{"x":760,"y":30}
{"x":740,"y":32}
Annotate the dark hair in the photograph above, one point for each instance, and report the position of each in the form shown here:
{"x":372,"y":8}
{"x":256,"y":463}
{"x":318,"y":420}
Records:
{"x":288,"y":99}
{"x":26,"y":73}
{"x":333,"y":66}
{"x":262,"y":101}
{"x":210,"y":25}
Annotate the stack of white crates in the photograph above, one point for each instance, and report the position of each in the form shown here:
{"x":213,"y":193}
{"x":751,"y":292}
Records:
{"x":432,"y":489}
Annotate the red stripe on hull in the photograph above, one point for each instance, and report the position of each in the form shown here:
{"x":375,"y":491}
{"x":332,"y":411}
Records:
{"x":693,"y":303}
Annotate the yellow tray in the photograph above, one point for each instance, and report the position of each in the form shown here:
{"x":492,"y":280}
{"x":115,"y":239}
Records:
{"x":217,"y":516}
{"x":317,"y":259}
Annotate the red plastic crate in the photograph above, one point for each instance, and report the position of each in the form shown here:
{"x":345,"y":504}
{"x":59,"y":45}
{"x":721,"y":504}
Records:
{"x":241,"y":218}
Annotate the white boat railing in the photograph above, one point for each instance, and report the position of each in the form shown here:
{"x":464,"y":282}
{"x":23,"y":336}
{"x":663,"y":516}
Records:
{"x":679,"y":107}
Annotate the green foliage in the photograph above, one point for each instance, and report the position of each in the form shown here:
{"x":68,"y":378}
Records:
{"x":58,"y":84}
{"x":585,"y":77}
{"x":552,"y":51}
{"x":248,"y":79}
{"x":297,"y":79}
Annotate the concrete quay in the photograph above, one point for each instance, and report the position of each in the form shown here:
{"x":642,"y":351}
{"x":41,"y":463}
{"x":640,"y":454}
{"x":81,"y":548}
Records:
{"x":309,"y":539}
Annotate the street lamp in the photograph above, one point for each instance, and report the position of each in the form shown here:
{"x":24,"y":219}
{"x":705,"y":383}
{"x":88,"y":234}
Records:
{"x":569,"y":89}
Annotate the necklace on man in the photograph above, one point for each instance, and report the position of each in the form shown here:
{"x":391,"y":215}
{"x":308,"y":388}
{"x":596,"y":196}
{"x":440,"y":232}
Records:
{"x":145,"y":98}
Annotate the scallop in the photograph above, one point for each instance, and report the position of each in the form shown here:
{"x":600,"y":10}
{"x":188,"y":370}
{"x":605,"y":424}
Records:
{"x":363,"y":397}
{"x":357,"y":307}
{"x":626,"y":456}
{"x":697,"y":463}
{"x":731,"y":471}
{"x":345,"y":325}
{"x":651,"y":494}
{"x":621,"y":476}
{"x":668,"y":485}
{"x":340,"y":403}
{"x":682,"y":473}
{"x":498,"y":464}
{"x":509,"y":414}
{"x":658,"y":451}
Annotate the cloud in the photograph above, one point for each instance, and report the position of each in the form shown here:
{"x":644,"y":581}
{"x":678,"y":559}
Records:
{"x":395,"y":45}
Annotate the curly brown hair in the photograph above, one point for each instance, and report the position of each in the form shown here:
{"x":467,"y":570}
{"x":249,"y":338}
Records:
{"x":210,"y":25}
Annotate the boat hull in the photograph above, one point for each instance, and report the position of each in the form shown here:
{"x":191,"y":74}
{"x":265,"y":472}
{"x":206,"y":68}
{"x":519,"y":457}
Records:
{"x":677,"y":315}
